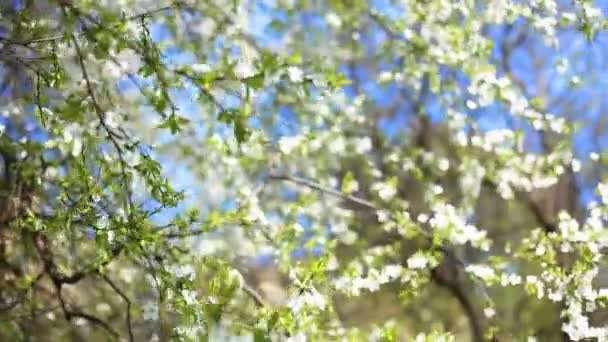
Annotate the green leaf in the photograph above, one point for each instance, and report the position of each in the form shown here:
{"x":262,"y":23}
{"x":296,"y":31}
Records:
{"x":270,"y":62}
{"x":255,"y":81}
{"x":241,"y":130}
{"x":174,"y":123}
{"x":338,"y":81}
{"x":348,"y":183}
{"x":261,"y":336}
{"x":277,"y":25}
{"x":588,"y":31}
{"x":228,"y":116}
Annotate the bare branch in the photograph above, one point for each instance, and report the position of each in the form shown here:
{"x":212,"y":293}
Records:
{"x":127,"y":301}
{"x":96,"y":321}
{"x":257,"y":298}
{"x":324,"y":189}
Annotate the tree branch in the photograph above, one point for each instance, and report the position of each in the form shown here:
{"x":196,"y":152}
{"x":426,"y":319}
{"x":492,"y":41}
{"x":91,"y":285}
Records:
{"x":324,"y":189}
{"x":127,"y":301}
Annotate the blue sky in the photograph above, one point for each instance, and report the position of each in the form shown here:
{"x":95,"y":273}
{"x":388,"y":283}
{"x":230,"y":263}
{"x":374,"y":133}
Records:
{"x":588,"y":60}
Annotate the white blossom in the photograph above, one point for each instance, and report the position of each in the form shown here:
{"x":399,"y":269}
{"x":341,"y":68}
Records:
{"x":189,"y":296}
{"x":288,"y":144}
{"x":183,"y":271}
{"x":200,"y":68}
{"x":489,"y":312}
{"x":481,"y":271}
{"x":333,"y":19}
{"x":299,"y":337}
{"x":310,"y":297}
{"x":295,"y":74}
{"x":417,"y":261}
{"x":385,"y":191}
{"x":444,"y":164}
{"x":385,"y":76}
{"x":363,"y":145}
{"x":244,"y":69}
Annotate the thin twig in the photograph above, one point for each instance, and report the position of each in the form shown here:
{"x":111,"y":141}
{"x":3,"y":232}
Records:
{"x":50,"y":39}
{"x":101,"y":116}
{"x":257,"y":298}
{"x":322,"y":188}
{"x":94,"y":320}
{"x":127,"y":301}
